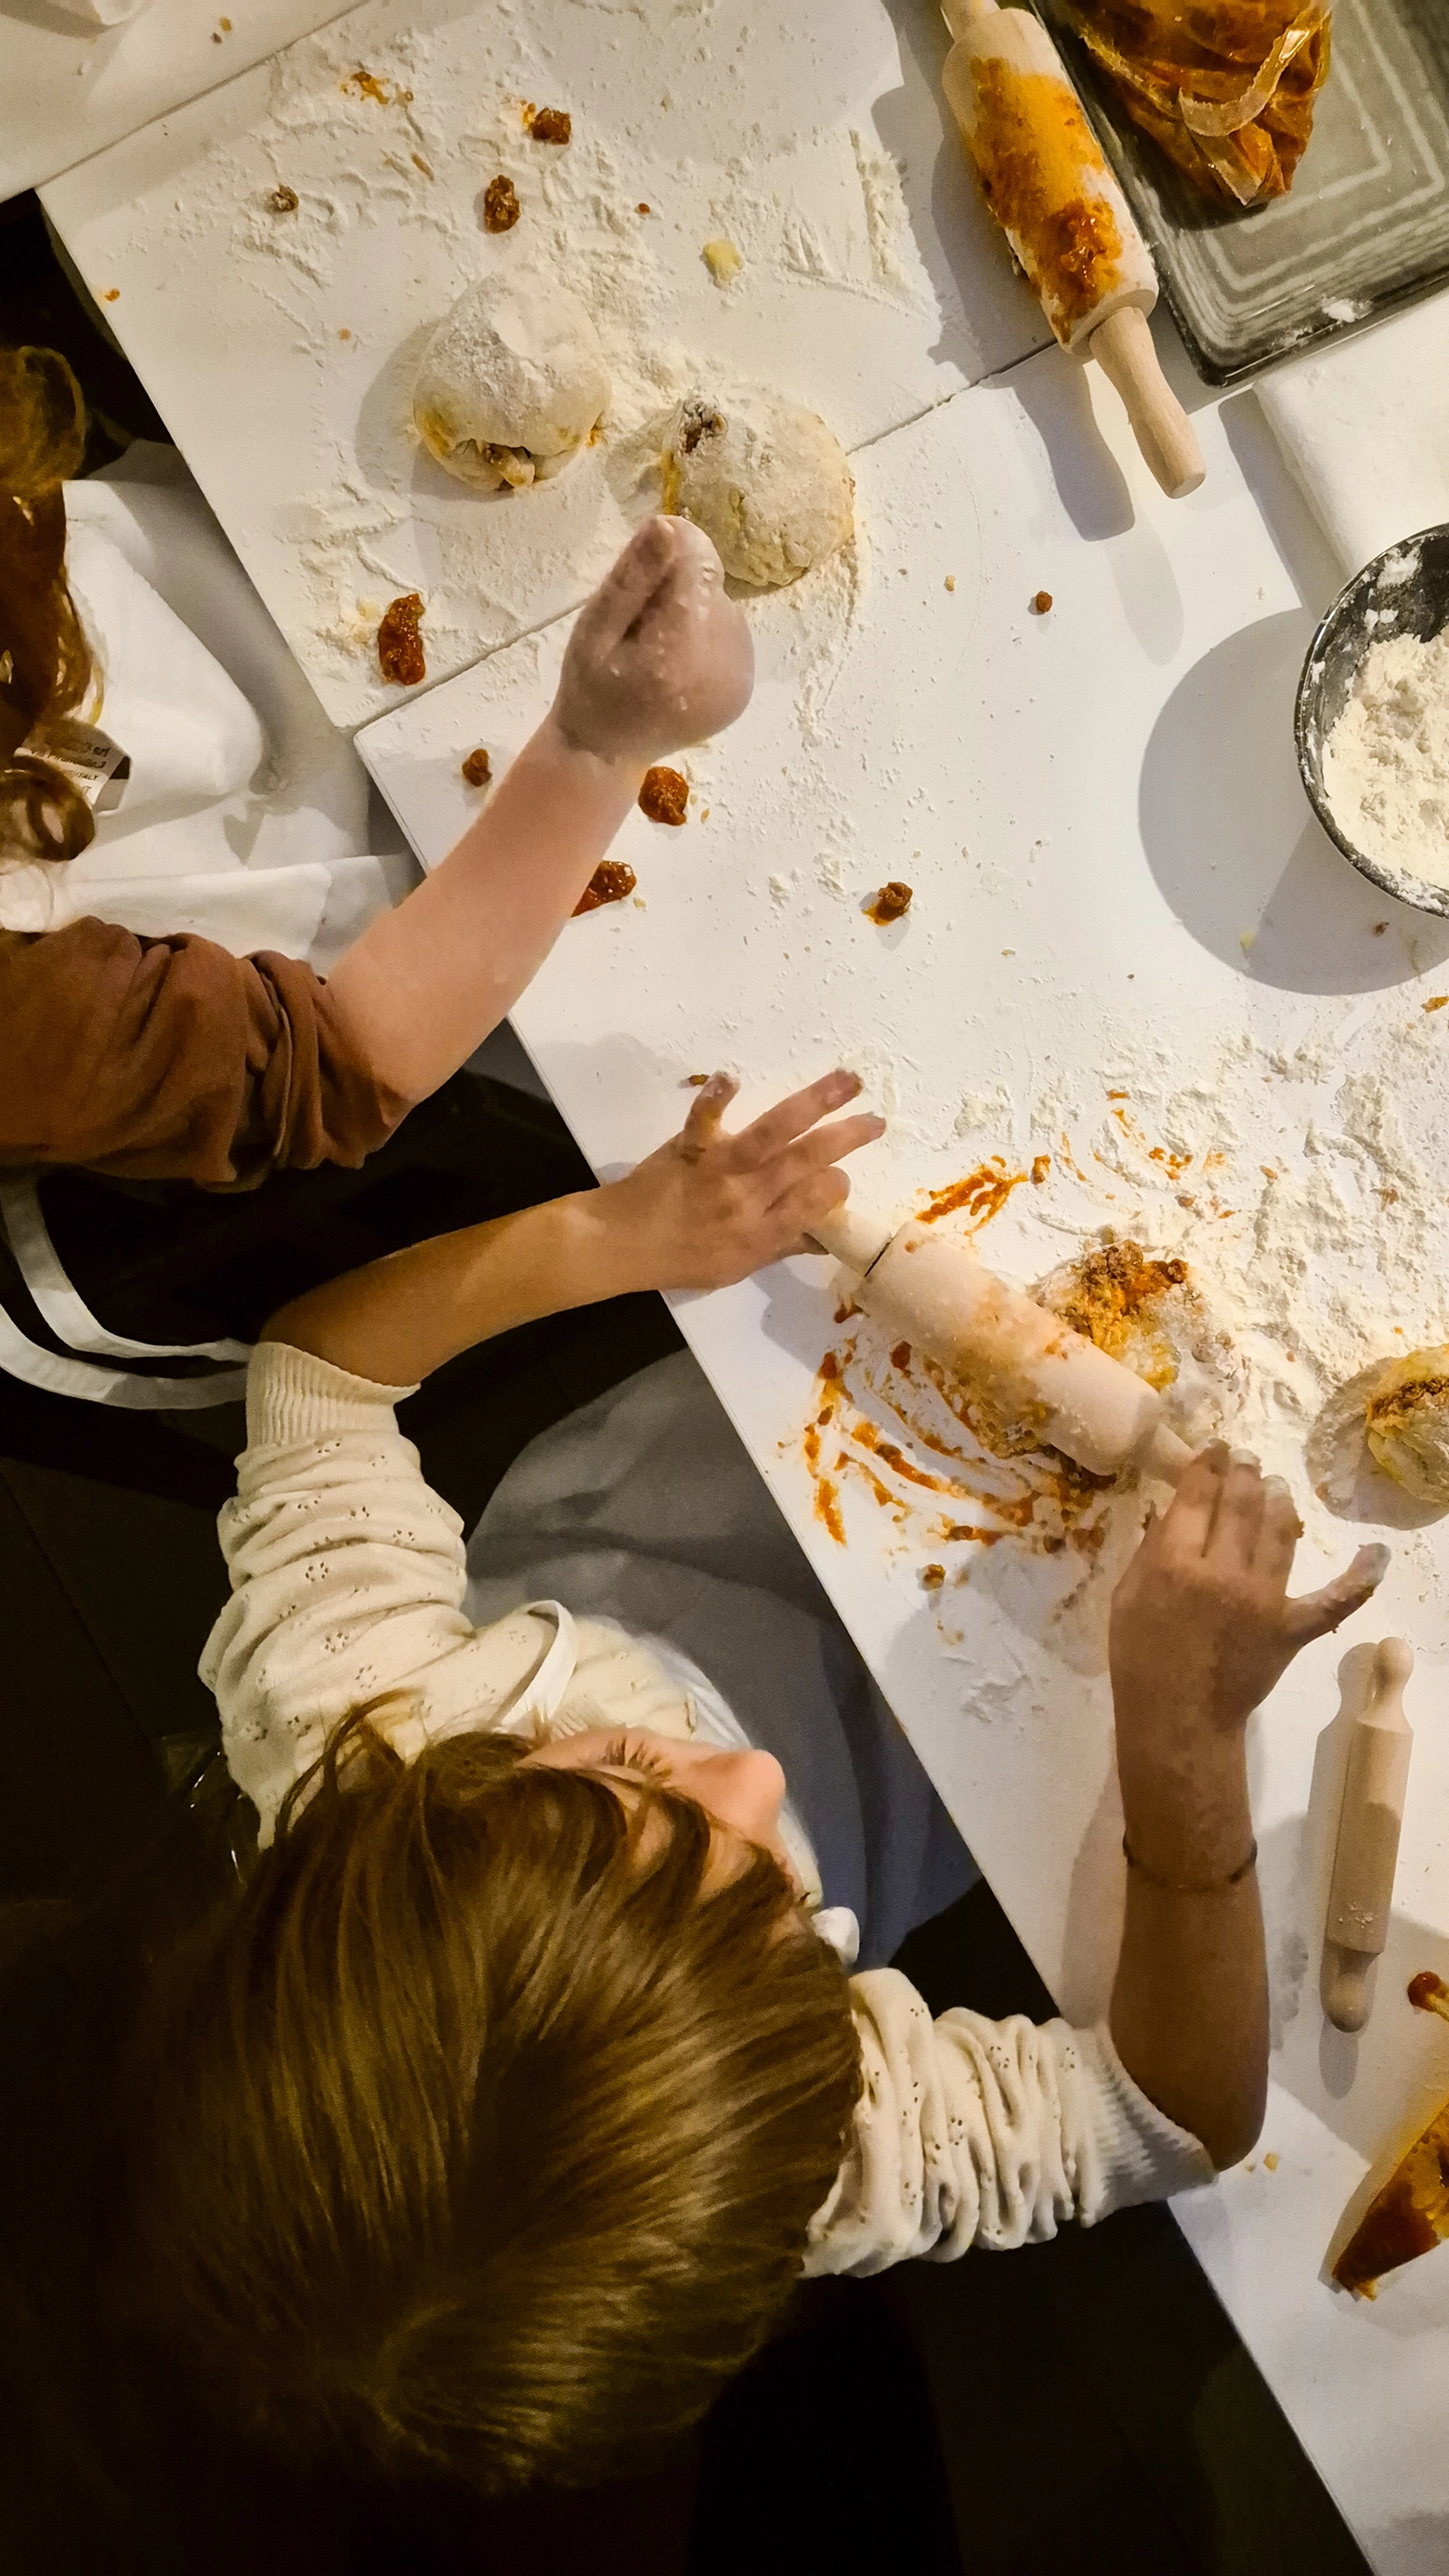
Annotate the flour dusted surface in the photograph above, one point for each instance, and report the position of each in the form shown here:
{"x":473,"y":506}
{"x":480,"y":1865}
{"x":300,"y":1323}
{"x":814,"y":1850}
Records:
{"x":329,"y":213}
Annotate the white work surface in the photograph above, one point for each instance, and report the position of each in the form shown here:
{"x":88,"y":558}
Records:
{"x":1129,"y":941}
{"x":69,"y":90}
{"x":1131,"y":951}
{"x":281,"y":349}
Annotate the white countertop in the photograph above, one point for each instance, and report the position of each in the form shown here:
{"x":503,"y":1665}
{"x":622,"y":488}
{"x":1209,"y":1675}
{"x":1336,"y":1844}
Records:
{"x":875,"y":283}
{"x":1094,"y":808}
{"x":1132,"y":955}
{"x":69,"y":90}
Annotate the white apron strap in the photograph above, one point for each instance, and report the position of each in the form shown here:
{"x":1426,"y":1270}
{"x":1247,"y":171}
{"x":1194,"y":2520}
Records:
{"x":60,"y":1303}
{"x":539,"y":1703}
{"x":56,"y":1375}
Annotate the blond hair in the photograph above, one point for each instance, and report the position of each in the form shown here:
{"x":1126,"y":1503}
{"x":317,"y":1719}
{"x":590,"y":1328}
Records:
{"x":479,"y":2132}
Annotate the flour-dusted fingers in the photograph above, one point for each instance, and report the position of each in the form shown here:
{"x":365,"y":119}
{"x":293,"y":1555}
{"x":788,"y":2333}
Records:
{"x":1238,"y":1522}
{"x":660,"y":657}
{"x":823,"y":1146}
{"x":1314,"y":1614}
{"x":1186,"y":1527}
{"x":701,"y":1127}
{"x":695,"y":581}
{"x":636,"y":577}
{"x":1279,"y":1535}
{"x":695,"y":642}
{"x":769,"y":1134}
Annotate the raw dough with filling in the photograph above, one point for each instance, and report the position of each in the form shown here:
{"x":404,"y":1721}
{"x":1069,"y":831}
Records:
{"x":765,"y":479}
{"x":510,"y":384}
{"x":1407,"y":1424}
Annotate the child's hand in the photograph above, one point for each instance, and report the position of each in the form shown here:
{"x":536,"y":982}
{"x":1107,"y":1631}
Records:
{"x":707,"y":1208}
{"x":1202,"y":1626}
{"x":659,"y":657}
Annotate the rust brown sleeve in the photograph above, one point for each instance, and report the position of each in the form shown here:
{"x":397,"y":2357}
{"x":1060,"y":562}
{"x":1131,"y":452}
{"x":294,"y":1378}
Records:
{"x":169,"y":1059}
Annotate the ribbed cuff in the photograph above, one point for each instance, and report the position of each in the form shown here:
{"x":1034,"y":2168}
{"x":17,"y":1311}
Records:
{"x":293,"y":1396}
{"x":1145,"y":2156}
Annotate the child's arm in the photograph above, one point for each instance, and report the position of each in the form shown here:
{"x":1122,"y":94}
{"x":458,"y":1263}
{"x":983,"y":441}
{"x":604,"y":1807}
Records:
{"x":347,"y":1572}
{"x":972,"y":2131}
{"x":705,"y":1210}
{"x":659,"y":658}
{"x":347,"y":1588}
{"x":1202,"y":1629}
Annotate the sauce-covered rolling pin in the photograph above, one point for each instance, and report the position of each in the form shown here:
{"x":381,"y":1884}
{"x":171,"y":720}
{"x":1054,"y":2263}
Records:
{"x":1033,"y":1367}
{"x":1375,"y":1778}
{"x":1044,"y":176}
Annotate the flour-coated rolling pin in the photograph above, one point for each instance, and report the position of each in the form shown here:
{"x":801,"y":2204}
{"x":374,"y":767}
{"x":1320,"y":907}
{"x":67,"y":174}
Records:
{"x":1034,"y":1368}
{"x":1376,"y":1776}
{"x":1046,"y":180}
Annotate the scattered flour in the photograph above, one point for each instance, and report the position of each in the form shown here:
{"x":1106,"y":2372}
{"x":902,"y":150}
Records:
{"x":1304,"y":1190}
{"x":345,"y":222}
{"x":1306,"y":1193}
{"x":1386,"y":761}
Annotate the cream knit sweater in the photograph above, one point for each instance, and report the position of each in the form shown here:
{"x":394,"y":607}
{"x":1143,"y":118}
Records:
{"x":348,"y":1575}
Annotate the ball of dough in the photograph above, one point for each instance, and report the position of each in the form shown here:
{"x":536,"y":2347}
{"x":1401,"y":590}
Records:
{"x":1407,"y":1424}
{"x":765,"y":479}
{"x":510,"y":384}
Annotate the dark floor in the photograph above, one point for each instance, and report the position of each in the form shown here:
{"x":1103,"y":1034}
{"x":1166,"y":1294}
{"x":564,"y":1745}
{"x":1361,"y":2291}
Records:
{"x":1083,"y":2406}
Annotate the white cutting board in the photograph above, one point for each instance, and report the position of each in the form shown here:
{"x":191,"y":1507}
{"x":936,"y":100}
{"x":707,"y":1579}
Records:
{"x":1094,"y":807}
{"x":70,"y":90}
{"x":281,"y":348}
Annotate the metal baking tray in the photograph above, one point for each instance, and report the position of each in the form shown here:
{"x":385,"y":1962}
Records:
{"x":1364,"y":227}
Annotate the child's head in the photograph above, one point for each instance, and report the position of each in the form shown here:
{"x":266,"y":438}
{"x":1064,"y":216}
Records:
{"x":483,"y":2129}
{"x":45,"y":660}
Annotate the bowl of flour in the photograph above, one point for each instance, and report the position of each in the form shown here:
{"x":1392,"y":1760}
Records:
{"x":1372,"y":721}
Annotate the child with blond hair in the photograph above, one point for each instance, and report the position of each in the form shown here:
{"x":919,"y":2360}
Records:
{"x":488,"y":2125}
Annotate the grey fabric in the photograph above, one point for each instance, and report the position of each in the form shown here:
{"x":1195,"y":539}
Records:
{"x":646,"y":1508}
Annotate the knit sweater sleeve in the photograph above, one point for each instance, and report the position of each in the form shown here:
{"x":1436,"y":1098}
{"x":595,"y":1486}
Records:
{"x":971,"y":2131}
{"x":169,"y":1059}
{"x":348,"y":1577}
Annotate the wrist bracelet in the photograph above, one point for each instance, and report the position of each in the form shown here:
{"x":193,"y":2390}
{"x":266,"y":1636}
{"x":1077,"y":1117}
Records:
{"x":1188,"y":1887}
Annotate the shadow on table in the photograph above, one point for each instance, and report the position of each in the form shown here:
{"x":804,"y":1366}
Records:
{"x":1221,"y":801}
{"x":1055,"y":395}
{"x":384,"y":455}
{"x":1307,"y":556}
{"x":1090,"y":483}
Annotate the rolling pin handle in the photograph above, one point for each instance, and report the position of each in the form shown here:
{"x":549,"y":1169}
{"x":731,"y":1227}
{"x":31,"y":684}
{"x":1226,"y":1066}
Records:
{"x":1122,"y":347}
{"x":1345,"y":1985}
{"x":961,"y":14}
{"x":1376,"y":1772}
{"x":1163,"y":1454}
{"x":1393,"y":1664}
{"x":855,"y":1236}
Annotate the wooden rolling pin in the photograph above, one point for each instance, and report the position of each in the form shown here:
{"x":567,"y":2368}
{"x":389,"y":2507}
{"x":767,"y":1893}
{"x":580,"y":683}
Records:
{"x":1035,"y":1369}
{"x":1044,"y":176}
{"x":1376,"y":1776}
